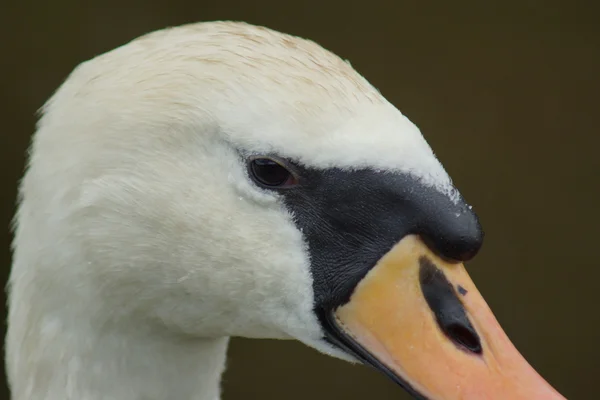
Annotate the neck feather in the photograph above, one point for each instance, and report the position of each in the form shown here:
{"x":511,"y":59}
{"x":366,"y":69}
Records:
{"x":66,"y":342}
{"x":52,"y":357}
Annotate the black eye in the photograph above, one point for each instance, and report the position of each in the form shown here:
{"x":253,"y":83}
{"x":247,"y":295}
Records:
{"x":270,"y":173}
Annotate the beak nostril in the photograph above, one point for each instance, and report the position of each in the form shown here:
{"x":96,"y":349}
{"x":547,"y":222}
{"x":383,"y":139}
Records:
{"x":447,"y":308}
{"x":464,"y":336}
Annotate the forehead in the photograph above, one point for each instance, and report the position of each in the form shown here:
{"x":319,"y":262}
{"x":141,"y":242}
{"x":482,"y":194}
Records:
{"x":290,"y":96}
{"x":239,"y":53}
{"x":266,"y":92}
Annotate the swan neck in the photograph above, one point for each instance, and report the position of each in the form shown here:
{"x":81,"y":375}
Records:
{"x":95,"y":364}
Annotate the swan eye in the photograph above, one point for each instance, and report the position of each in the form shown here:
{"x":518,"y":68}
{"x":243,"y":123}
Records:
{"x":270,"y":173}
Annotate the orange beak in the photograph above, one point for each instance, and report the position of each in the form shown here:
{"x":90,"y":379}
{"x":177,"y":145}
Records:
{"x":423,"y":320}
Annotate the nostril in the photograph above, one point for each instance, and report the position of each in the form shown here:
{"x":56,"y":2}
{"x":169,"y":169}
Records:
{"x":463,"y":336}
{"x":448,"y":310}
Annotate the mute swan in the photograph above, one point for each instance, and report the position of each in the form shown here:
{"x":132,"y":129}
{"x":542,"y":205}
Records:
{"x":222,"y":179}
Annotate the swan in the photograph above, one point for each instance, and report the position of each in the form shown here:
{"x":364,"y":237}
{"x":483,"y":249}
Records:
{"x":222,"y":179}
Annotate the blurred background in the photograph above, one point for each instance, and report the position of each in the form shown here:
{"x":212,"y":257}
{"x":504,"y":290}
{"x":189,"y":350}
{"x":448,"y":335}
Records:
{"x":506,"y":92}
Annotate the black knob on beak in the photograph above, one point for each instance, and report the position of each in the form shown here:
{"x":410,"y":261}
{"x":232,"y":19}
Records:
{"x":451,"y":229}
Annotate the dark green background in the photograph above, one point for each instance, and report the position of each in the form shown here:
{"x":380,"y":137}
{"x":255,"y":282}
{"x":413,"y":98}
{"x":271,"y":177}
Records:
{"x":506,"y":92}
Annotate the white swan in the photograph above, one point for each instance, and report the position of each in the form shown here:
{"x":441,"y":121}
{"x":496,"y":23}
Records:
{"x":221,"y":179}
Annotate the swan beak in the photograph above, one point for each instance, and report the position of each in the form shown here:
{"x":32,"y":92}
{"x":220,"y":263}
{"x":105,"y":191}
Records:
{"x":422,"y":321}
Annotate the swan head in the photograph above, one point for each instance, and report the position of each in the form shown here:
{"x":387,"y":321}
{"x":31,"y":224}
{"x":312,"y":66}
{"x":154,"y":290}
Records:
{"x":223,"y":179}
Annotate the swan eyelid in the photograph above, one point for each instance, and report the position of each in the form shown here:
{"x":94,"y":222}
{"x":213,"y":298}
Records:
{"x":287,"y":165}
